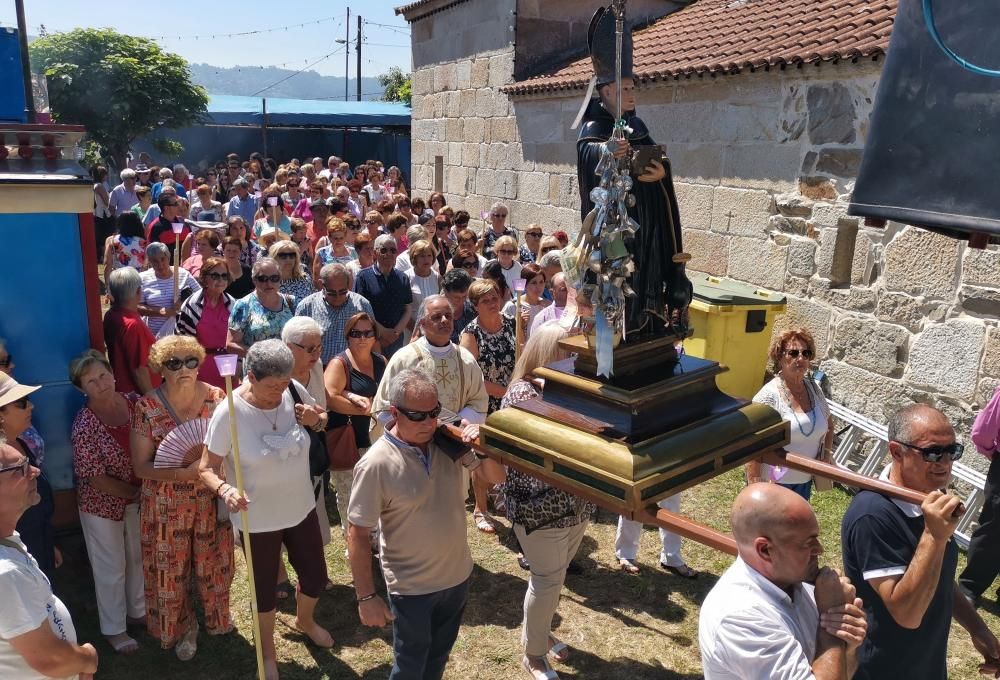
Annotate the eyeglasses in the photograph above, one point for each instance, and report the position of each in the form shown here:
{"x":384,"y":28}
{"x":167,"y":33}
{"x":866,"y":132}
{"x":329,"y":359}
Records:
{"x":420,"y":416}
{"x":21,"y":403}
{"x":533,"y":234}
{"x":264,"y":278}
{"x":934,"y":454}
{"x":794,"y":353}
{"x":4,"y":363}
{"x":218,"y":276}
{"x":176,"y":363}
{"x":286,"y":256}
{"x":387,"y":250}
{"x":470,"y":265}
{"x":357,"y":335}
{"x":335,"y":293}
{"x":495,"y":215}
{"x":507,"y":251}
{"x":23,"y":465}
{"x":312,"y":349}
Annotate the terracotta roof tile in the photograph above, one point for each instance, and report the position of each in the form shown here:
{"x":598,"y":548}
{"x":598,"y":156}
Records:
{"x":728,"y":36}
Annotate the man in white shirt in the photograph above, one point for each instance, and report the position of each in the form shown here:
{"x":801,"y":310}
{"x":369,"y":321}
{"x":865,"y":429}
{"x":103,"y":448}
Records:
{"x":37,"y":637}
{"x":762,"y":620}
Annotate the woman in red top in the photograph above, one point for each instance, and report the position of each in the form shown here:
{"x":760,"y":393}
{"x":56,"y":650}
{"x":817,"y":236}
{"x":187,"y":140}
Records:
{"x":126,"y":335}
{"x":108,"y":498}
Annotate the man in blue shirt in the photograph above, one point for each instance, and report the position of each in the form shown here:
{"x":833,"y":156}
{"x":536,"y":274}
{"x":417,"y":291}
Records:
{"x":388,"y":291}
{"x":332,"y":307}
{"x":243,"y":204}
{"x":902,"y":557}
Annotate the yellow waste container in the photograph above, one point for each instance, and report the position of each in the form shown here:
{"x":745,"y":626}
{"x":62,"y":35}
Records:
{"x":732,"y":324}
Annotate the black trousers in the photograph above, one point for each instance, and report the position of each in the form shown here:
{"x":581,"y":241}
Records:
{"x":984,"y":546}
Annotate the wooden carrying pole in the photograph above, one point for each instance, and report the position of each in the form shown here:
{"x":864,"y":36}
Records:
{"x":245,"y":528}
{"x":682,"y":526}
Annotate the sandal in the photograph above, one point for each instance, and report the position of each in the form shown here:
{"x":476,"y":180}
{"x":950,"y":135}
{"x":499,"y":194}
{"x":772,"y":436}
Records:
{"x":122,"y":644}
{"x":628,"y":566}
{"x":483,"y":523}
{"x":558,"y":652}
{"x":284,"y":590}
{"x":684,"y":571}
{"x":547,"y":674}
{"x":188,"y":646}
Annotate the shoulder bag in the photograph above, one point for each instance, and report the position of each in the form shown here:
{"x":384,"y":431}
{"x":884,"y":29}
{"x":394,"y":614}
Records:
{"x":341,"y":445}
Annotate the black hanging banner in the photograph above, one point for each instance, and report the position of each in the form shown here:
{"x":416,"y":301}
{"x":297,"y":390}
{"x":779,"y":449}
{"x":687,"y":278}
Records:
{"x":931,"y":155}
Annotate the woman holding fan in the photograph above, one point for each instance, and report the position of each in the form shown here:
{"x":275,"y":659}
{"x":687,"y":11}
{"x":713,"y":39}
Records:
{"x":184,"y":539}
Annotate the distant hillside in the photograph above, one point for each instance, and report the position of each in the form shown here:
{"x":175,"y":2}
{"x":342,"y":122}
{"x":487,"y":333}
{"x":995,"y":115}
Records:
{"x":246,"y":80}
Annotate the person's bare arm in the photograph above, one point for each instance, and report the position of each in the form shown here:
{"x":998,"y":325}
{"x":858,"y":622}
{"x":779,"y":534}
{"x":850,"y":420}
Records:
{"x":492,"y":472}
{"x":335,"y":384}
{"x":108,"y":265}
{"x":186,"y":246}
{"x":907,"y":596}
{"x":374,"y":611}
{"x":142,"y":379}
{"x":114,"y":487}
{"x":404,"y":320}
{"x":52,"y":657}
{"x":468,"y":341}
{"x":142,"y":463}
{"x":983,"y":638}
{"x":234,"y":342}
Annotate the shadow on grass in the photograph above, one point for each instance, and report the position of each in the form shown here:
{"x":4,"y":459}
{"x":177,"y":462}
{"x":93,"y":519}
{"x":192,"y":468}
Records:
{"x":586,"y":665}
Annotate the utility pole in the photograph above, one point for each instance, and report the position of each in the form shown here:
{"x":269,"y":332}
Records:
{"x":347,"y":55}
{"x":22,"y":43}
{"x":358,"y":75}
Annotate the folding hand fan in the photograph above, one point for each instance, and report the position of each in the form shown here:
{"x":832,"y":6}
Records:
{"x":182,"y":445}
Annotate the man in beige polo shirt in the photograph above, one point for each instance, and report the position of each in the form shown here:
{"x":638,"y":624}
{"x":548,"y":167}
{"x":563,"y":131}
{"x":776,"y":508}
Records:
{"x":415,"y":490}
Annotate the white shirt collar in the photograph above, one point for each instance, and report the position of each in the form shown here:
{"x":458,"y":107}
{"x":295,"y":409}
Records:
{"x":771,"y":590}
{"x":434,"y":349}
{"x":909,"y":509}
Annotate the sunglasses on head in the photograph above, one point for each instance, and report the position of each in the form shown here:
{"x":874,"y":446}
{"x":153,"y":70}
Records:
{"x":4,"y":363}
{"x":934,"y":454}
{"x":176,"y":363}
{"x":357,"y":335}
{"x":218,"y":276}
{"x":312,"y":349}
{"x":265,"y":278}
{"x":22,"y":465}
{"x":420,"y":416}
{"x":794,"y":353}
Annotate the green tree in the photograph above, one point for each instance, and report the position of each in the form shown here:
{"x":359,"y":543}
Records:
{"x":398,"y":86}
{"x":117,"y":86}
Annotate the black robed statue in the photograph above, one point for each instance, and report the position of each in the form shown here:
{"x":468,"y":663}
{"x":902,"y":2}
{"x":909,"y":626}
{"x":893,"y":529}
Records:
{"x":662,"y":290}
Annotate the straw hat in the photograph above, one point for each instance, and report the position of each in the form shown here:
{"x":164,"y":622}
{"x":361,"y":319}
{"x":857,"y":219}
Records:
{"x":11,"y":390}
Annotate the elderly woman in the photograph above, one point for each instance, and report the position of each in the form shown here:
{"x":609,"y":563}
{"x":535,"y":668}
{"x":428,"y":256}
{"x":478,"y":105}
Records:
{"x":796,"y":396}
{"x":490,"y":339}
{"x":278,"y":498}
{"x":549,"y":523}
{"x":237,"y":228}
{"x":186,"y":544}
{"x":145,"y":196}
{"x":495,"y":230}
{"x":240,"y":277}
{"x":205,"y":317}
{"x":206,"y":245}
{"x":528,"y":252}
{"x":35,"y":525}
{"x":506,"y":254}
{"x":127,"y":248}
{"x":203,"y":203}
{"x":126,"y":336}
{"x":107,"y":493}
{"x":158,"y":303}
{"x":374,"y":222}
{"x":261,"y":314}
{"x":364,"y":248}
{"x":424,"y":281}
{"x":351,"y":380}
{"x":295,"y":280}
{"x":333,"y":247}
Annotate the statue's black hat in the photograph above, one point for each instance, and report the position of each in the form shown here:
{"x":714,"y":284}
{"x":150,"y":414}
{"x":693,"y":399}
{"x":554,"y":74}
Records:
{"x":601,"y":41}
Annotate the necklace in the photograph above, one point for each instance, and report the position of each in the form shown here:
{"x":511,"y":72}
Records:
{"x":274,"y":421}
{"x":809,"y":413}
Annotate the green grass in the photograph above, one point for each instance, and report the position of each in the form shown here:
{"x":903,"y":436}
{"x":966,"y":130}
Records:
{"x":618,"y":626}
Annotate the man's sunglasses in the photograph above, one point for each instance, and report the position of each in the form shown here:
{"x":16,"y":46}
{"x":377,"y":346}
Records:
{"x":934,"y":454}
{"x":335,"y":293}
{"x":176,"y":363}
{"x":387,"y":250}
{"x":794,"y":353}
{"x":497,"y":215}
{"x":265,"y":278}
{"x":23,"y":465}
{"x":357,"y":335}
{"x":218,"y":276}
{"x":420,"y":416}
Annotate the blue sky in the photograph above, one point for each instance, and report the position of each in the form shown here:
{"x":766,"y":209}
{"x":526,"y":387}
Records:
{"x":293,"y":48}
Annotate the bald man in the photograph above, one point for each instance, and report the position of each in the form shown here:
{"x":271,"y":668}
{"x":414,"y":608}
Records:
{"x":762,"y":620}
{"x":37,"y":637}
{"x":903,"y":557}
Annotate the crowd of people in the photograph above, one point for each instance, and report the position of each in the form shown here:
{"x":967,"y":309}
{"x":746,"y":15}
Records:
{"x":363,"y":317}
